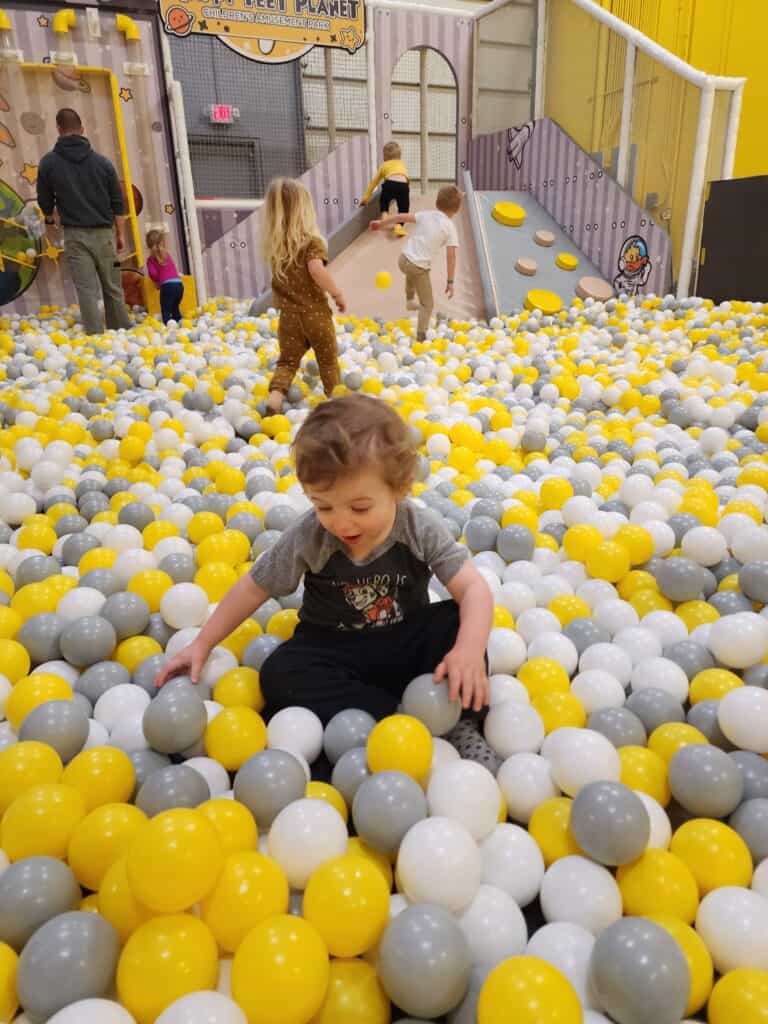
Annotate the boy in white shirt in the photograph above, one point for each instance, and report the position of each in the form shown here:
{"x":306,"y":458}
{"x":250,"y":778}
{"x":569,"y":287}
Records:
{"x":434,"y":230}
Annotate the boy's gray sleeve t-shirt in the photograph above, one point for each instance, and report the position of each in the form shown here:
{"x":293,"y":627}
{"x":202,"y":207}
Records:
{"x":340,"y":593}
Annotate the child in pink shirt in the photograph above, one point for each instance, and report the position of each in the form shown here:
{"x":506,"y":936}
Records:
{"x":162,"y":270}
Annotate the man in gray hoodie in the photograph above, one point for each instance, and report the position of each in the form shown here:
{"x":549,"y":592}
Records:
{"x":83,"y":186}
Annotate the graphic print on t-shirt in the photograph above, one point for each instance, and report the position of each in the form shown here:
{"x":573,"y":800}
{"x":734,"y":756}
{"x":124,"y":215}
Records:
{"x":375,"y":600}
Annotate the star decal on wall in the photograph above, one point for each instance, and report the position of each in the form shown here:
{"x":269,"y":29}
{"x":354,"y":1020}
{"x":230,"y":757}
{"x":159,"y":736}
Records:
{"x":29,"y":173}
{"x":169,"y":209}
{"x":43,"y":22}
{"x":126,"y":95}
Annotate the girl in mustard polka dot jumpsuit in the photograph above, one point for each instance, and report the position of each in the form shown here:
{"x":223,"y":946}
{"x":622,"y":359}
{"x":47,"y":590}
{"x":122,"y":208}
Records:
{"x":298,"y":255}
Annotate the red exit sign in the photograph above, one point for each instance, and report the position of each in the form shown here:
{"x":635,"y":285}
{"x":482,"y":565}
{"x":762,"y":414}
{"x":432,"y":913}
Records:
{"x":223,"y":113}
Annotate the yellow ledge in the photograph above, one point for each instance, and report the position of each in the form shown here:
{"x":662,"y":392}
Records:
{"x":509,"y":214}
{"x":128,"y":27}
{"x":64,"y":20}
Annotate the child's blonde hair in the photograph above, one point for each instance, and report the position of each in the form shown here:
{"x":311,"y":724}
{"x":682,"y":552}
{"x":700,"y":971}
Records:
{"x":392,"y":151}
{"x":154,"y":238}
{"x":449,"y":199}
{"x":289,"y":223}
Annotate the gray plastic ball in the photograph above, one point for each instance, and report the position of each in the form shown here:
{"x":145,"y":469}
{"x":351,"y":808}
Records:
{"x":35,"y":569}
{"x":128,"y":613}
{"x":99,"y":678}
{"x":106,"y":581}
{"x":87,"y":640}
{"x":136,"y":514}
{"x":655,"y":707}
{"x":175,"y":719}
{"x":71,"y":957}
{"x":681,"y":523}
{"x":428,"y":701}
{"x":639,"y":973}
{"x":158,"y":629}
{"x":610,"y":823}
{"x":345,"y":731}
{"x":40,"y":635}
{"x":757,"y":676}
{"x":515,"y":543}
{"x":32,"y":891}
{"x":145,"y":762}
{"x":424,"y":962}
{"x":754,"y":770}
{"x":70,"y":524}
{"x":268,"y":782}
{"x":259,"y":649}
{"x":76,"y":545}
{"x":583,"y":633}
{"x":62,"y":724}
{"x":481,"y":533}
{"x":691,"y":657}
{"x":751,"y":822}
{"x":753,"y":581}
{"x":280,"y":517}
{"x":349,"y":773}
{"x":247,"y":523}
{"x":385,"y":807}
{"x":703,"y":716}
{"x":466,"y":1011}
{"x":179,"y":566}
{"x":619,"y":725}
{"x":680,"y":579}
{"x":174,"y":786}
{"x":705,"y":781}
{"x":730,"y":602}
{"x":146,"y":672}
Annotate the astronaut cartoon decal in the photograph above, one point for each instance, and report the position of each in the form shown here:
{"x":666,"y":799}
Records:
{"x":634,"y":266}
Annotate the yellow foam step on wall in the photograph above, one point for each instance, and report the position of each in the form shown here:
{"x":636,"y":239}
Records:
{"x":509,"y":214}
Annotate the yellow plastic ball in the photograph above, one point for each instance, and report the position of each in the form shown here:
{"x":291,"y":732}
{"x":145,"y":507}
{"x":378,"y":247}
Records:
{"x":568,"y":607}
{"x":713,"y":684}
{"x":280,"y":972}
{"x":234,"y":735}
{"x":134,"y":649}
{"x":502,"y":618}
{"x":150,"y":584}
{"x":32,"y":691}
{"x":354,"y":996}
{"x":658,"y":882}
{"x":543,"y":675}
{"x":400,"y":743}
{"x":40,"y":822}
{"x":103,"y":775}
{"x":154,"y":532}
{"x":250,"y":888}
{"x":635,"y":582}
{"x":580,"y":540}
{"x":329,"y":795}
{"x":239,"y":638}
{"x":96,"y":558}
{"x":234,"y":824}
{"x":697,"y":955}
{"x":554,"y":493}
{"x":230,"y":480}
{"x":34,"y":599}
{"x":39,"y":536}
{"x":740,"y":997}
{"x":229,"y":547}
{"x":14,"y":660}
{"x":528,"y":990}
{"x":637,"y":541}
{"x":559,"y":710}
{"x":239,"y":687}
{"x":9,"y":966}
{"x":646,"y":771}
{"x":118,"y":904}
{"x":696,"y":613}
{"x":667,"y":739}
{"x":383,"y":280}
{"x":174,"y":861}
{"x":100,"y":839}
{"x":6,"y":583}
{"x":132,"y":449}
{"x":216,"y":578}
{"x":608,"y":561}
{"x":283,"y":623}
{"x":347,"y":900}
{"x":550,"y":826}
{"x":202,"y":525}
{"x":715,"y":853}
{"x":164,"y":959}
{"x":358,"y":848}
{"x":10,"y":623}
{"x":24,"y":765}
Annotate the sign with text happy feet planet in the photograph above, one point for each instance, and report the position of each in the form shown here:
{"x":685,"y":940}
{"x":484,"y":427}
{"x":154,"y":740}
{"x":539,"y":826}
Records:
{"x":269,"y":30}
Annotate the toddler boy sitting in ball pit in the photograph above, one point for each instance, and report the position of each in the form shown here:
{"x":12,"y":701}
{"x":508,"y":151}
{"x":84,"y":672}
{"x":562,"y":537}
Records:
{"x":366,"y":554}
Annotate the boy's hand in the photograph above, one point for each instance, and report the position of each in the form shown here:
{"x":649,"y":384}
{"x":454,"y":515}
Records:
{"x":341,"y":304}
{"x":376,"y":225}
{"x":189,"y":662}
{"x":449,"y":291}
{"x":466,"y":675}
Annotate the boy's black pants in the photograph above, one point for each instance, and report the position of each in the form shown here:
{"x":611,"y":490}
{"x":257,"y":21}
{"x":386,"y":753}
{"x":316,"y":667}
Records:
{"x":328,"y":671}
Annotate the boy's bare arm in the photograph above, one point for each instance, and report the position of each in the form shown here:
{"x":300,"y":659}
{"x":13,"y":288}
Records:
{"x":451,"y":262}
{"x":392,"y":218}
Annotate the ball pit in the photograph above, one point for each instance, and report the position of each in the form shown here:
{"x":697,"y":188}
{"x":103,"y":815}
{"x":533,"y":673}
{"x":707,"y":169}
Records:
{"x":605,"y":464}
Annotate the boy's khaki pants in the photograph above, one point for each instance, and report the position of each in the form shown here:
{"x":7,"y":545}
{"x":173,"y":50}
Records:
{"x":418,"y":284}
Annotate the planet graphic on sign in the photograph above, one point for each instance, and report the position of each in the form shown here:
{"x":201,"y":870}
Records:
{"x":178,"y":21}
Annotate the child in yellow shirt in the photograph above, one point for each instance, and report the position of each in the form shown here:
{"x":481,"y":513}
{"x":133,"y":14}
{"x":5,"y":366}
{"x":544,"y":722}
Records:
{"x":395,"y":185}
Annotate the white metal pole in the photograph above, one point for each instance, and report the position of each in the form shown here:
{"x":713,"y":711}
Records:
{"x":732,"y":133}
{"x":625,"y":134}
{"x":540,"y":82}
{"x":330,"y":99}
{"x":697,"y":189}
{"x":370,"y":58}
{"x":184,"y":171}
{"x":424,"y":121}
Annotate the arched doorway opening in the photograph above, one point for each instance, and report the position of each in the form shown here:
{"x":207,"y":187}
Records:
{"x":424,"y":117}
